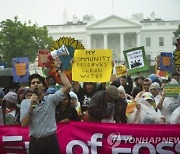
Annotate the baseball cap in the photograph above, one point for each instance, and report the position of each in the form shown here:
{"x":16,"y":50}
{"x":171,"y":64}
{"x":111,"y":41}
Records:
{"x":147,"y":95}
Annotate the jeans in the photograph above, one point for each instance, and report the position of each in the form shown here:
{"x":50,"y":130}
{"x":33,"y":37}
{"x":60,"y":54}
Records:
{"x":44,"y":145}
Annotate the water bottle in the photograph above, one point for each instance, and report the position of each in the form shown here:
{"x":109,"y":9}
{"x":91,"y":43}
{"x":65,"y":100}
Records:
{"x":62,"y":51}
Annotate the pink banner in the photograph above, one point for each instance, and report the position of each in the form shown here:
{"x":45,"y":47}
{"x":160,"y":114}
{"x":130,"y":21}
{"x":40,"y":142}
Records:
{"x":100,"y":138}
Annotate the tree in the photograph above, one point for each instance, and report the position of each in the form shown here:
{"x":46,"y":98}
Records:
{"x":22,"y":40}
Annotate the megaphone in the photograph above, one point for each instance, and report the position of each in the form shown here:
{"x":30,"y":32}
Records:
{"x":62,"y":51}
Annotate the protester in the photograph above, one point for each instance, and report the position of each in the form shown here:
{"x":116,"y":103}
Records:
{"x":51,"y":83}
{"x":84,"y":94}
{"x":145,"y":112}
{"x":20,"y":92}
{"x":106,"y":104}
{"x":155,"y":91}
{"x":139,"y":86}
{"x":50,"y":90}
{"x":28,"y":93}
{"x":175,"y":116}
{"x":124,"y":81}
{"x":146,"y":84}
{"x":127,"y":98}
{"x":39,"y":113}
{"x":65,"y":112}
{"x":124,"y":95}
{"x":154,"y":78}
{"x":168,"y":104}
{"x":10,"y":110}
{"x":75,"y":103}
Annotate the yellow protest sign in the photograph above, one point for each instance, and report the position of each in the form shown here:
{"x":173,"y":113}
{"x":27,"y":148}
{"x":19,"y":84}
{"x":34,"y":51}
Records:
{"x":120,"y":70}
{"x":92,"y":65}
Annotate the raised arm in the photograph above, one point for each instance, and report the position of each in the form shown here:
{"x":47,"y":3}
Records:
{"x":160,"y":104}
{"x":64,"y":79}
{"x":66,"y":84}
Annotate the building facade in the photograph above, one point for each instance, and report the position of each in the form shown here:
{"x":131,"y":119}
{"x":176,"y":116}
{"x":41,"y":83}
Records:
{"x":119,"y":34}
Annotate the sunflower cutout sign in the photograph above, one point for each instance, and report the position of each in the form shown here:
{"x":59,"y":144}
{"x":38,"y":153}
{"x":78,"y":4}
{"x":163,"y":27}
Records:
{"x":177,"y":60}
{"x":176,"y":54}
{"x":72,"y":44}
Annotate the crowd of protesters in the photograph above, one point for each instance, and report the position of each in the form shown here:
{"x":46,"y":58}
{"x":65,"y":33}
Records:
{"x":124,"y":100}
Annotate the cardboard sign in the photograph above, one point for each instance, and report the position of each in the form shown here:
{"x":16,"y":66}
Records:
{"x":92,"y":65}
{"x":20,"y":69}
{"x":120,"y":70}
{"x":172,"y":90}
{"x":42,"y":57}
{"x":166,"y":61}
{"x":136,"y":60}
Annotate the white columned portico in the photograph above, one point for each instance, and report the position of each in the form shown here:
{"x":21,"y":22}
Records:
{"x":105,"y":40}
{"x":88,"y":41}
{"x":138,"y":39}
{"x":121,"y":46}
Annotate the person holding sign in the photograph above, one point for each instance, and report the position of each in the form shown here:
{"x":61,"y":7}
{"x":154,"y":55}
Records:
{"x":168,"y":104}
{"x":39,"y":113}
{"x":145,"y":111}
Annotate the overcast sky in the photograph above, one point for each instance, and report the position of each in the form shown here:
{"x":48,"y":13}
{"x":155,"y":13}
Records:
{"x":48,"y":12}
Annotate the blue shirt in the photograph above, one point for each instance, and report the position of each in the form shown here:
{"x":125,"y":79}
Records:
{"x":43,"y":116}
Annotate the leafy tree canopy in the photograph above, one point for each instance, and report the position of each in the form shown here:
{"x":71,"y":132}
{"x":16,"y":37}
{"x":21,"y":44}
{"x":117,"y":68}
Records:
{"x":22,"y":40}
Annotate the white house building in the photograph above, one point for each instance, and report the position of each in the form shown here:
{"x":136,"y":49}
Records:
{"x":120,"y":34}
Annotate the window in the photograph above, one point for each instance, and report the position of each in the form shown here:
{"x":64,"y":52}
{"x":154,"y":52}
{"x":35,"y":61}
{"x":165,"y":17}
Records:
{"x":148,"y":41}
{"x":161,"y":41}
